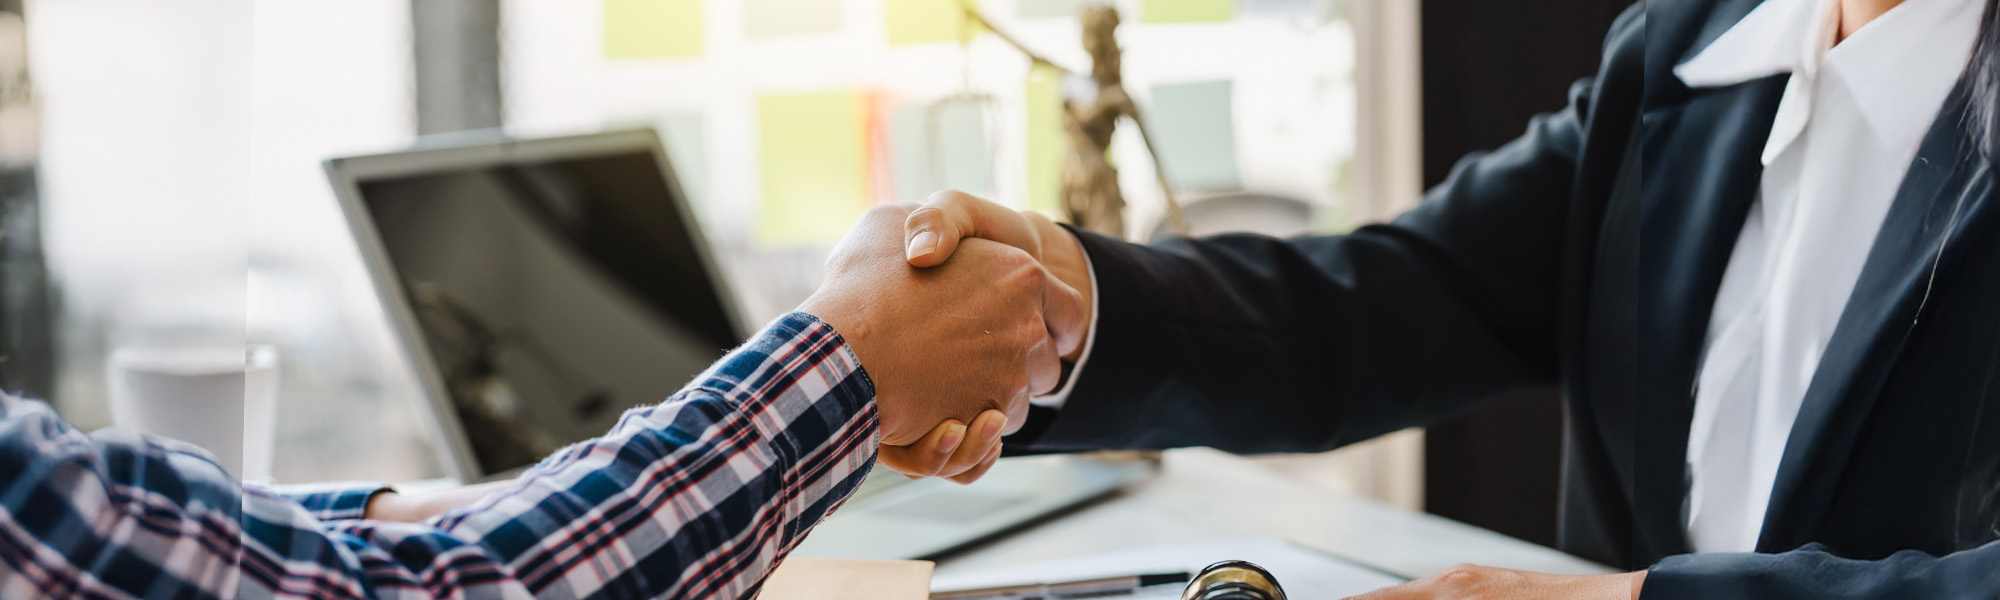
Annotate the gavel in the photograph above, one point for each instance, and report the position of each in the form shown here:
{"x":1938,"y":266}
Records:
{"x":1234,"y":580}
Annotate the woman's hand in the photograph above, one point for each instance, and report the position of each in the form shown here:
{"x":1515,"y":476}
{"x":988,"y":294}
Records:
{"x":952,"y":450}
{"x":1490,"y":583}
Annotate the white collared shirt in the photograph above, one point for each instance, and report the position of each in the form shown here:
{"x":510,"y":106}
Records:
{"x":1056,"y":397}
{"x":1846,"y":130}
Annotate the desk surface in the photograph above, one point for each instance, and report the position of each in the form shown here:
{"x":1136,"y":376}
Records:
{"x":1206,"y":495}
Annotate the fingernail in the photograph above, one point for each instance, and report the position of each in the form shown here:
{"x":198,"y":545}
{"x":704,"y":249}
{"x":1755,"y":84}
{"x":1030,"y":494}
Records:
{"x":924,"y":244}
{"x":992,"y":431}
{"x":953,"y":434}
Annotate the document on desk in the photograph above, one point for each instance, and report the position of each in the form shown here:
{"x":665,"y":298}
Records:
{"x":1306,"y":574}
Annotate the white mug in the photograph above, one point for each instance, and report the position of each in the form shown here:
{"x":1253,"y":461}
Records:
{"x":223,"y":399}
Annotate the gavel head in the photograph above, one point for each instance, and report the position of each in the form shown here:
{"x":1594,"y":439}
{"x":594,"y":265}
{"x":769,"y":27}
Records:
{"x":1234,"y":580}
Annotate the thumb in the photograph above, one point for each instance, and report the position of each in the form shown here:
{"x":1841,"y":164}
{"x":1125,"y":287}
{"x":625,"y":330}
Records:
{"x":932,"y":231}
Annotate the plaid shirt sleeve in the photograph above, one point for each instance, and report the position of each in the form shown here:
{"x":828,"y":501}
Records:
{"x":698,"y":497}
{"x":332,"y":501}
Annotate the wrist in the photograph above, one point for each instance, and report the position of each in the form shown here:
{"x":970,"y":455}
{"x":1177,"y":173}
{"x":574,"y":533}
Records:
{"x":855,"y":332}
{"x":385,"y":505}
{"x":1063,"y":255}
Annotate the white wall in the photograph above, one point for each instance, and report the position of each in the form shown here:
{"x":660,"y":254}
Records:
{"x":147,"y":140}
{"x":182,"y":149}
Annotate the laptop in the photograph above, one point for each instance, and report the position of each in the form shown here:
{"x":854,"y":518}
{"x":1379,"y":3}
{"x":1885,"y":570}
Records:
{"x":541,"y":287}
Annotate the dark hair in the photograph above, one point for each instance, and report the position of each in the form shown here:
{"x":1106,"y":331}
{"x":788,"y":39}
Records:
{"x":1983,"y":73}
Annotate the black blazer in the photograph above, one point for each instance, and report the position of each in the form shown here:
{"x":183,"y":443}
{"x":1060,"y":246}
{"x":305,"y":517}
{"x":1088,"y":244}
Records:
{"x":1587,"y":253}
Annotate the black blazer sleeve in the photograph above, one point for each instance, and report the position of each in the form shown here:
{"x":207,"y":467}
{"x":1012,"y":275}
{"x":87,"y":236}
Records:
{"x":1812,"y":573}
{"x":1253,"y":344}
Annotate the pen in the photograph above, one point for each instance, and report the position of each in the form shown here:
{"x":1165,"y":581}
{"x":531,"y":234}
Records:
{"x":1105,"y":585}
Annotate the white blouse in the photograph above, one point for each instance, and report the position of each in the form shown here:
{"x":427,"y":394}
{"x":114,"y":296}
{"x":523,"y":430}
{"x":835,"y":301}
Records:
{"x":1847,"y":127}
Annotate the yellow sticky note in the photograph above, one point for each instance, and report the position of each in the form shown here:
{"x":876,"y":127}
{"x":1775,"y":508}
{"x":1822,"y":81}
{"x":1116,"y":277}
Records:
{"x":813,"y":152}
{"x":1047,"y":142}
{"x":928,"y":21}
{"x":1186,"y":11}
{"x":652,"y":28}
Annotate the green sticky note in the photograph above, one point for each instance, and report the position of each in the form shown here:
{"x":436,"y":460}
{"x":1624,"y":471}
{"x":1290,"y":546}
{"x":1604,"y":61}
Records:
{"x":928,"y":21}
{"x":1047,"y":142}
{"x":1186,"y":11}
{"x":652,"y":28}
{"x":813,"y":154}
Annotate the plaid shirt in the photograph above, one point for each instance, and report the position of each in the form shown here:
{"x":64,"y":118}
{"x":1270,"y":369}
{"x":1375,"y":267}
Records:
{"x":698,"y":497}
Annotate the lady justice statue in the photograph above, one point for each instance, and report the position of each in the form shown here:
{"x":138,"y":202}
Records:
{"x":1091,"y":109}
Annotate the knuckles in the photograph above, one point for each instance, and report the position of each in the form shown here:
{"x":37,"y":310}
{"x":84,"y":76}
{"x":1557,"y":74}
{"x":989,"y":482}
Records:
{"x":1010,"y":382}
{"x":922,"y":214}
{"x":1027,"y":334}
{"x":1013,"y":260}
{"x":1463,"y":573}
{"x":1009,"y":270}
{"x":1474,"y":581}
{"x":1021,"y":274}
{"x":945,"y":197}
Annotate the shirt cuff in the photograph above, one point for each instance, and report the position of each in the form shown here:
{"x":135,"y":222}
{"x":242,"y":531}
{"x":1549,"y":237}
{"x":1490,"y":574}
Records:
{"x":332,"y":501}
{"x":820,"y":377}
{"x":1056,"y":398}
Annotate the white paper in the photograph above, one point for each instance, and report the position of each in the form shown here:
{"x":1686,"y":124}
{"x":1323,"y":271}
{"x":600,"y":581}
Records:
{"x":1305,"y":574}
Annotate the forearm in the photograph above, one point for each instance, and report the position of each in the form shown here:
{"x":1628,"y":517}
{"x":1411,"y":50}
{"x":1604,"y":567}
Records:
{"x":390,"y":505}
{"x":1254,"y":344}
{"x":702,"y":495}
{"x":1811,"y":572}
{"x":393,"y":506}
{"x":698,"y":497}
{"x":379,"y":502}
{"x":1335,"y":338}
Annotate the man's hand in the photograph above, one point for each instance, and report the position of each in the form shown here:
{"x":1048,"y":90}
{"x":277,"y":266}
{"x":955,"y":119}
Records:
{"x":933,"y":232}
{"x":946,"y":343}
{"x":1489,"y":583}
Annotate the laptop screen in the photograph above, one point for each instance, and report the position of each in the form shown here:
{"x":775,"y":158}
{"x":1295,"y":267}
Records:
{"x":552,"y":295}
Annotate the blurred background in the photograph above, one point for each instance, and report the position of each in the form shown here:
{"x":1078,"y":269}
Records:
{"x":161,"y":177}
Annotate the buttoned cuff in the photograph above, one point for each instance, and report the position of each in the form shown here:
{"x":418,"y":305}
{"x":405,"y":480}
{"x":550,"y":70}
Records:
{"x":1055,"y":399}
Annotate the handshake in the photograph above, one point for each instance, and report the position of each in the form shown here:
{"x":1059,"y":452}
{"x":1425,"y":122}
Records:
{"x":959,"y":311}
